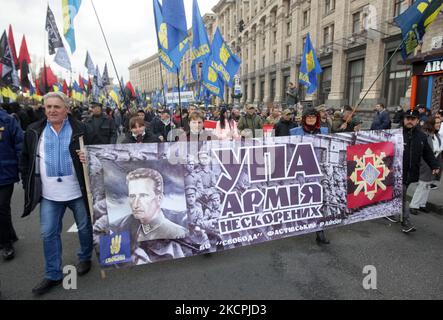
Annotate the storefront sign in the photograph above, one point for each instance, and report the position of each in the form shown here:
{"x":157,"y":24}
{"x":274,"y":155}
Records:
{"x":434,"y":66}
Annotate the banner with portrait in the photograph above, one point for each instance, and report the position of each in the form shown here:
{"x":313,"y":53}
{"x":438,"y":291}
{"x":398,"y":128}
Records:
{"x":156,"y":202}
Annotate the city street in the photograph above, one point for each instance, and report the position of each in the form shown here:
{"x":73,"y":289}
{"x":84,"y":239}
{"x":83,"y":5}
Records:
{"x":408,"y":267}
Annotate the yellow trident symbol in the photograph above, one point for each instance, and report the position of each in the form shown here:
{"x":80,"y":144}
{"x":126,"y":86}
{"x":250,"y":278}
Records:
{"x":116,"y":244}
{"x":224,"y":54}
{"x":163,"y":36}
{"x":212,"y":75}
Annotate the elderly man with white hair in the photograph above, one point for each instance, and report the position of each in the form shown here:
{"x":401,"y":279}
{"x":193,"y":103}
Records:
{"x":53,"y":176}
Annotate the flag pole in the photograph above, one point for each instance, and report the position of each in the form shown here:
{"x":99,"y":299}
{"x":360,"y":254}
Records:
{"x":376,"y":79}
{"x":162,"y":80}
{"x":110,"y":54}
{"x":179,"y":97}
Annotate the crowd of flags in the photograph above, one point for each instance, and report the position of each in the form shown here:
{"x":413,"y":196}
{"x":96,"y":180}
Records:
{"x":213,"y":64}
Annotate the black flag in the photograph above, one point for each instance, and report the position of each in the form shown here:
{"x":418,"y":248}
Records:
{"x":105,"y":77}
{"x":9,"y":73}
{"x":54,"y":39}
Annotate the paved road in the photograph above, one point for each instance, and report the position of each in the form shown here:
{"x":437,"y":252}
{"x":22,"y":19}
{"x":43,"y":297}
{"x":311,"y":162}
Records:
{"x":408,"y":267}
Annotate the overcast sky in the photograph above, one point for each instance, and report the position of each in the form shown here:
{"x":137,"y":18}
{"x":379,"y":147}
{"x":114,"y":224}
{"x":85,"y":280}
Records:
{"x":128,"y":25}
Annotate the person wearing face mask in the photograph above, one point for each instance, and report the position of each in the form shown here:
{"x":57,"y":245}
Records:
{"x":162,"y":126}
{"x":139,"y":133}
{"x":311,"y":124}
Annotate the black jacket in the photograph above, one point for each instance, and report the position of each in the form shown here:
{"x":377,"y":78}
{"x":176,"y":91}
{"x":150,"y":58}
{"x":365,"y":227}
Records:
{"x":283,"y":128}
{"x":416,"y":147}
{"x":160,"y":129}
{"x":32,"y":181}
{"x":103,"y":130}
{"x":149,"y":137}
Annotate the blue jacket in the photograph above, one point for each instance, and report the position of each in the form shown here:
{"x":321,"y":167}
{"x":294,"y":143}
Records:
{"x":300,"y":132}
{"x":11,"y":142}
{"x":382,"y":121}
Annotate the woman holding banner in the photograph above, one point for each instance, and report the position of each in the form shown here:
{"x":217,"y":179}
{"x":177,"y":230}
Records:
{"x":311,"y":124}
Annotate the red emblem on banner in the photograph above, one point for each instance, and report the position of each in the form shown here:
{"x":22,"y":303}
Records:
{"x":370,"y":174}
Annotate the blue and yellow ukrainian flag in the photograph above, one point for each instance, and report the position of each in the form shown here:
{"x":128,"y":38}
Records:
{"x":309,"y":68}
{"x":415,"y":21}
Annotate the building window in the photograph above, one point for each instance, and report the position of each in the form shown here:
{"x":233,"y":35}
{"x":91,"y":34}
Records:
{"x":262,"y":90}
{"x":306,"y":17}
{"x":263,"y":61}
{"x":289,"y":28}
{"x":328,"y":34}
{"x":275,"y":37}
{"x":356,"y":24}
{"x":273,"y":82}
{"x":274,"y":56}
{"x":288,"y":51}
{"x":356,"y":74}
{"x":398,"y":78}
{"x":400,"y":6}
{"x":329,"y":6}
{"x":325,"y":84}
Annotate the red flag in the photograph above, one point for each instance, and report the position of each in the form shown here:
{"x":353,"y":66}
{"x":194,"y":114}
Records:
{"x":12,"y":46}
{"x":65,"y":87}
{"x":24,"y":61}
{"x":37,"y":87}
{"x":370,"y":174}
{"x":81,"y":84}
{"x":209,"y":124}
{"x":131,"y":89}
{"x":47,"y":79}
{"x":24,"y":54}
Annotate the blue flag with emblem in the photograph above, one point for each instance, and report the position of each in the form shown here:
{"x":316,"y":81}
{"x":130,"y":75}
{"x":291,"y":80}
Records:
{"x":415,"y":21}
{"x":310,"y":67}
{"x":115,"y":249}
{"x":213,"y":81}
{"x":200,"y":40}
{"x":172,"y":36}
{"x":223,"y":60}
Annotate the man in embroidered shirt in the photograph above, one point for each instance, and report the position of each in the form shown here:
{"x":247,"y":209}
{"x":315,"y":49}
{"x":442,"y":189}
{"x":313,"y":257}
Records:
{"x":53,"y":176}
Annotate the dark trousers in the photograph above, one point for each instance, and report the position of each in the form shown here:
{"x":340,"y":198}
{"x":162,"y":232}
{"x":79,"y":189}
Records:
{"x":7,"y":232}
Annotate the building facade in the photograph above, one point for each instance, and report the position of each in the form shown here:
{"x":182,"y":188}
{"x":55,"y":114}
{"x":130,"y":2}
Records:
{"x":354,"y":39}
{"x":146,"y":76}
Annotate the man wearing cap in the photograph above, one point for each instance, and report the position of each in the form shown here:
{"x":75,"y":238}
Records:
{"x":416,"y":148}
{"x":195,"y":214}
{"x":207,"y":176}
{"x":381,"y":121}
{"x":249,"y":123}
{"x":325,"y":121}
{"x":102,"y":128}
{"x":53,"y":176}
{"x":422,"y":114}
{"x":192,"y":177}
{"x":286,"y":123}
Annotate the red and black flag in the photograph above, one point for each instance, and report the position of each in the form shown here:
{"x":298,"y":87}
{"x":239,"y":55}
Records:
{"x":12,"y":47}
{"x":65,"y":88}
{"x":129,"y":91}
{"x":24,"y":62}
{"x":370,"y":174}
{"x":47,"y":80}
